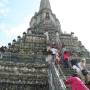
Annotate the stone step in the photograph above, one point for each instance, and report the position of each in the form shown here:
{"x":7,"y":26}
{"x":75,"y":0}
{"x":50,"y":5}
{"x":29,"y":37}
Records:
{"x":67,"y":71}
{"x":88,"y":60}
{"x":22,"y":86}
{"x":23,"y":73}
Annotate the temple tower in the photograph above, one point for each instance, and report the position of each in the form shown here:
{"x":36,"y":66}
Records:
{"x":45,"y":4}
{"x":23,"y":66}
{"x":44,"y":21}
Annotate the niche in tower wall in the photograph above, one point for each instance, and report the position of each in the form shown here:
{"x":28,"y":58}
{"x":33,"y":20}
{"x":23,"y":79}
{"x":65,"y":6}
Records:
{"x":47,"y":15}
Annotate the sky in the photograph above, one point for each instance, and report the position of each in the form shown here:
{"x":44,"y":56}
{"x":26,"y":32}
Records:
{"x":15,"y":15}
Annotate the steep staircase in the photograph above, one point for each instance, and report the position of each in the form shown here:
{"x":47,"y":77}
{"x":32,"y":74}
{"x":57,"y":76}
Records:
{"x":64,"y":73}
{"x":23,"y":76}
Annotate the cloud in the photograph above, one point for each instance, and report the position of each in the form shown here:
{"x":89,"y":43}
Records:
{"x":4,"y":9}
{"x":8,"y":33}
{"x":13,"y":32}
{"x":2,"y":44}
{"x":5,"y":1}
{"x":74,"y":16}
{"x":1,"y":4}
{"x":2,"y":27}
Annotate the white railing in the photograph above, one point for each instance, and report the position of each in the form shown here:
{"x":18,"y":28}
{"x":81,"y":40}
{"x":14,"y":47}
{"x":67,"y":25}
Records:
{"x":55,"y":80}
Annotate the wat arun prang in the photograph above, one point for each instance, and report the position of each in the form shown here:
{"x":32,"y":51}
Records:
{"x":23,"y":66}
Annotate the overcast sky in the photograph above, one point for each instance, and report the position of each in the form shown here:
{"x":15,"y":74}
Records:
{"x":15,"y":15}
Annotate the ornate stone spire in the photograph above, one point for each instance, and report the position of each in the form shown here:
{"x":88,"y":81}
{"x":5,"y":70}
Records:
{"x":45,"y":4}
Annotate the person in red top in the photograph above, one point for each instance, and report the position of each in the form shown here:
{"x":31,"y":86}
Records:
{"x":76,"y":83}
{"x":66,"y":55}
{"x":66,"y":59}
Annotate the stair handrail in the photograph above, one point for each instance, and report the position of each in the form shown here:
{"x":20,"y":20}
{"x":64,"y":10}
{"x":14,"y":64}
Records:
{"x":61,"y":72}
{"x":63,"y":86}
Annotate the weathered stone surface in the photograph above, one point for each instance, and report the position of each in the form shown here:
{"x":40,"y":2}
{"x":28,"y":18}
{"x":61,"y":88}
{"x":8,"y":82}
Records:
{"x":20,"y":74}
{"x":23,"y":66}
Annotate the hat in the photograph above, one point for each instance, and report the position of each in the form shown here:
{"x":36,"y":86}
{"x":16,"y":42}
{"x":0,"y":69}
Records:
{"x":83,"y":59}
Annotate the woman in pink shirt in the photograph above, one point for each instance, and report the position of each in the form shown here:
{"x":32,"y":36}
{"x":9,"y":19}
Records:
{"x":66,"y":59}
{"x":76,"y":83}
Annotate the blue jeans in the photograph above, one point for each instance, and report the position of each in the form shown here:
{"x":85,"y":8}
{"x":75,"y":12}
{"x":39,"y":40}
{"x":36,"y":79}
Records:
{"x":53,"y":57}
{"x":66,"y":64}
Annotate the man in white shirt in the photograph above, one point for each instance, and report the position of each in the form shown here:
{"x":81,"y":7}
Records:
{"x":82,"y":64}
{"x":54,"y":51}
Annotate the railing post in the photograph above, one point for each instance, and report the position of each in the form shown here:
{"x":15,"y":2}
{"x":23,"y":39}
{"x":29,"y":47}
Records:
{"x":55,"y":81}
